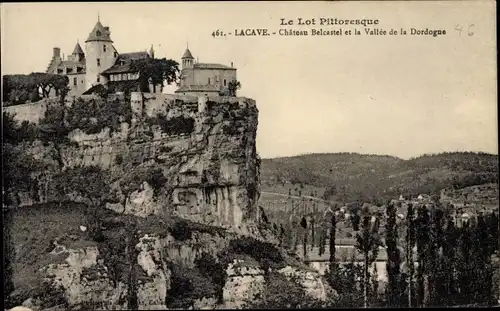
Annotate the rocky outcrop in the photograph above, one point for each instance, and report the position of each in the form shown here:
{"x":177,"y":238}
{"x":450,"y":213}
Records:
{"x":310,"y":281}
{"x":87,"y":277}
{"x":205,"y":148}
{"x":152,"y":290}
{"x":85,"y":281}
{"x":245,"y":283}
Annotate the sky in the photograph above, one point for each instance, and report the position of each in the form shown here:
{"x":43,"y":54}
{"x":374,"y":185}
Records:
{"x":397,"y":95}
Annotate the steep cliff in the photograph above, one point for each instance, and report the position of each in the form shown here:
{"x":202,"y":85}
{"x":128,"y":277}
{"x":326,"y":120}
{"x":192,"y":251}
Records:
{"x":205,"y":149}
{"x":188,"y":237}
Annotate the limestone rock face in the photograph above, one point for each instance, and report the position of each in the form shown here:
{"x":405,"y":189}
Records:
{"x":310,"y":281}
{"x":151,"y":292}
{"x":206,"y":150}
{"x":141,"y":203}
{"x":244,"y":284}
{"x":84,"y":280}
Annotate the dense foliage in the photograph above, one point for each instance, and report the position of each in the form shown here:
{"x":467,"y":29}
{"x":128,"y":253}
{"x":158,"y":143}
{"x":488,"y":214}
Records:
{"x":17,"y":165}
{"x":174,"y":126}
{"x":92,"y":116}
{"x":156,"y":72}
{"x":454,"y":261}
{"x":17,"y":89}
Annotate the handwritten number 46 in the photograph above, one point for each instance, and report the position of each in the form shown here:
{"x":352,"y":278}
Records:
{"x":469,"y":29}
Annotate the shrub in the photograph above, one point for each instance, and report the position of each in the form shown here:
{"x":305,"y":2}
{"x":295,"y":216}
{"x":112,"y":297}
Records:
{"x":119,"y":159}
{"x":208,"y":266}
{"x":230,"y":129}
{"x":96,"y":114}
{"x":187,"y":285}
{"x":173,"y":126}
{"x":280,"y":293}
{"x":268,"y":254}
{"x":182,"y":229}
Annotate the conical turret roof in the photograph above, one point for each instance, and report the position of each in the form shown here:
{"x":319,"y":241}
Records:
{"x":99,"y":33}
{"x":187,"y":54}
{"x":78,"y":49}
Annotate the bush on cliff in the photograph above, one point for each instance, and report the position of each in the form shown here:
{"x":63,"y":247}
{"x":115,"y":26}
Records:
{"x":281,"y":293}
{"x":215,"y":270}
{"x":17,"y":164}
{"x":94,"y":115}
{"x":173,"y":126}
{"x":187,"y":285}
{"x":267,"y":254}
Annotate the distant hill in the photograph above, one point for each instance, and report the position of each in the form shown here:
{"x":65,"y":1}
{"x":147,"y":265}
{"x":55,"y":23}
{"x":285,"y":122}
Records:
{"x":375,"y":178}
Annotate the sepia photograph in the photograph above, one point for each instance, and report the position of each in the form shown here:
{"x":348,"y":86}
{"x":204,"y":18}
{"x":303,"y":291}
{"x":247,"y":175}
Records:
{"x":249,"y":155}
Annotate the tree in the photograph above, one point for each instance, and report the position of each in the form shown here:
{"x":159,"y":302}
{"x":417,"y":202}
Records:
{"x":449,"y":262}
{"x":53,"y":130}
{"x":17,"y":164}
{"x":393,"y":258}
{"x":45,"y":82}
{"x":482,"y":283}
{"x":438,"y":259}
{"x":233,"y":86}
{"x":464,"y":267}
{"x":410,"y":242}
{"x":368,"y":242}
{"x":19,"y":88}
{"x":333,"y":229}
{"x":423,"y":248}
{"x":156,"y":72}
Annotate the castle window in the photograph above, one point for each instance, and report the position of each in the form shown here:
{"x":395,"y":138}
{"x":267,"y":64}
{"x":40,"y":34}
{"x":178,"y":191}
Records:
{"x":208,"y":80}
{"x":224,"y":82}
{"x":115,"y":54}
{"x":98,"y":62}
{"x":98,"y":78}
{"x":104,"y":48}
{"x":75,"y":81}
{"x":98,"y":33}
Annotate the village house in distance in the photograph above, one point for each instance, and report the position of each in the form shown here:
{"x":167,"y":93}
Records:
{"x":102,"y":64}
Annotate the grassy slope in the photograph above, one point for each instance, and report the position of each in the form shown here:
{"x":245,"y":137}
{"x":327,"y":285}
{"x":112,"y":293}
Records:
{"x":31,"y":232}
{"x":371,"y":177}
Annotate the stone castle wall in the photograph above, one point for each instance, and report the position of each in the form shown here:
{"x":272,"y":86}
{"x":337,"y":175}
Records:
{"x":31,"y":112}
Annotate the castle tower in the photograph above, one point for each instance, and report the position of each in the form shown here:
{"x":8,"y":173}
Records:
{"x":100,"y":54}
{"x":187,"y":59}
{"x":77,"y":54}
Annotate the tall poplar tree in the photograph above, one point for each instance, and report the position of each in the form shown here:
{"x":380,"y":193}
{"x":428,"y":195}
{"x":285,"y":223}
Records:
{"x":439,"y":277}
{"x":333,"y":229}
{"x":410,"y":243}
{"x":393,"y":258}
{"x":450,"y":263}
{"x":368,"y":242}
{"x":423,"y":246}
{"x":464,"y":265}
